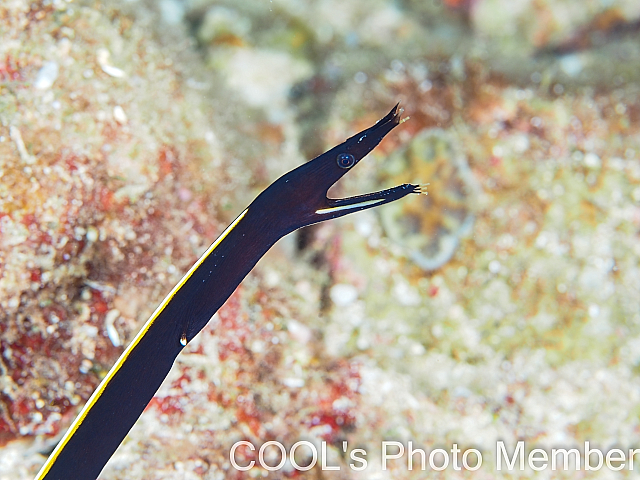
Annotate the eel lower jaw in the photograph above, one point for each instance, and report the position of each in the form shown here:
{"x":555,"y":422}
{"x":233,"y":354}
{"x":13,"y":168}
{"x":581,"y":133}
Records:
{"x":338,"y":208}
{"x":369,"y":200}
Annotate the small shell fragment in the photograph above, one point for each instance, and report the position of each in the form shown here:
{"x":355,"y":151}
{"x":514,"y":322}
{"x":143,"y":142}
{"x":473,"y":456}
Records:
{"x":343,"y":294}
{"x":112,"y":333}
{"x":119,"y":115}
{"x":92,"y":234}
{"x":103,"y":61}
{"x":16,"y":136}
{"x":46,"y":76}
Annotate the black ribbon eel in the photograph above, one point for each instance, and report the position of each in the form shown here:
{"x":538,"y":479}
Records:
{"x":296,"y":199}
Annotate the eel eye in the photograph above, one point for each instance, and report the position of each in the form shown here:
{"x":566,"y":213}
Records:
{"x":345,"y":160}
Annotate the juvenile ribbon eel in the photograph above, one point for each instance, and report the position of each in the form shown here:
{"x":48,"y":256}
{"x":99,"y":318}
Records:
{"x":297,"y":199}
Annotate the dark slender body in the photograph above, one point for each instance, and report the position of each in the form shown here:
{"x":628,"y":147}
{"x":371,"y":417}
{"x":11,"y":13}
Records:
{"x":296,"y":199}
{"x":140,"y":376}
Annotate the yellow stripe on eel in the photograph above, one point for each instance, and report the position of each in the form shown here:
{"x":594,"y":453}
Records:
{"x":105,"y":381}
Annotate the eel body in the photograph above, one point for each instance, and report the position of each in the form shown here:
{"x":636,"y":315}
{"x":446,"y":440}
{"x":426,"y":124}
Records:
{"x":296,"y":199}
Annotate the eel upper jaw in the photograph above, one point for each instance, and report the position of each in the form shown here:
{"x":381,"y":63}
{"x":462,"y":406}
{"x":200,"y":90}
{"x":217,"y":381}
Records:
{"x":363,"y":142}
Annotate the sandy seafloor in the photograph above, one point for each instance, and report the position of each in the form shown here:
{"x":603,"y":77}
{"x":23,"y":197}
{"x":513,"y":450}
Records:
{"x":503,"y":306}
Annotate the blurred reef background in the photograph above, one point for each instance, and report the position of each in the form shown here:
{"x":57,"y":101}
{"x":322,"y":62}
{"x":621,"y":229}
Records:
{"x":503,"y":306}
